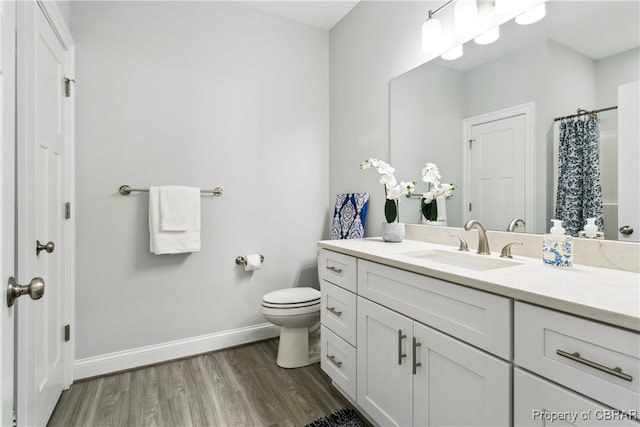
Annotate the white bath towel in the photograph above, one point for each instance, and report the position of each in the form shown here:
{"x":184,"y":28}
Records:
{"x":441,"y":203}
{"x":174,"y":219}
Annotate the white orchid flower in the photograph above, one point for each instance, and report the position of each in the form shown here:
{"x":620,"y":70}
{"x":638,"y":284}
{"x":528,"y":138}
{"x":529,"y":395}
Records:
{"x":431,"y":174}
{"x":407,"y":187}
{"x":388,"y":181}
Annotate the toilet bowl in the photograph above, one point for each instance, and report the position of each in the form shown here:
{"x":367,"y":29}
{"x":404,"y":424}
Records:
{"x":297,"y":312}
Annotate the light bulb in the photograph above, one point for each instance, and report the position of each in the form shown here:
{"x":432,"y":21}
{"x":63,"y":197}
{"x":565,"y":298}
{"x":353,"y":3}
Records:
{"x":533,"y":15}
{"x":431,"y":35}
{"x":465,"y":16}
{"x":488,"y":37}
{"x":454,"y":53}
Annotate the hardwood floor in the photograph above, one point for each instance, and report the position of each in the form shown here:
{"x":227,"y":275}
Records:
{"x":241,"y":386}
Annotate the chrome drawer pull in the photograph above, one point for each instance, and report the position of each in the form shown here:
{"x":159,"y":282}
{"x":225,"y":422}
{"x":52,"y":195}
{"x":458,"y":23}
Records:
{"x":612,"y":371}
{"x":333,"y":360}
{"x":334,"y":311}
{"x":401,"y":336}
{"x":335,"y":269}
{"x":416,"y":364}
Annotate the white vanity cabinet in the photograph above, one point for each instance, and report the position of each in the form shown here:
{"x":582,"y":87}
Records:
{"x":425,"y":345}
{"x":410,"y":374}
{"x":573,"y":362}
{"x":337,"y":274}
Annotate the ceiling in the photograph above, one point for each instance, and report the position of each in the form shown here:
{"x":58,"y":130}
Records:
{"x":322,"y":14}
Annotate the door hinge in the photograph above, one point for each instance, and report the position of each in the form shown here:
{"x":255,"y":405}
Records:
{"x":470,"y":141}
{"x":67,"y":86}
{"x":67,"y":333}
{"x":469,"y":206}
{"x":67,"y":210}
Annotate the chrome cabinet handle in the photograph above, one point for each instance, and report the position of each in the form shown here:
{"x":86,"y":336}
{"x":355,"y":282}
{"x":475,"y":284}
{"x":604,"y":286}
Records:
{"x":401,"y":336}
{"x":334,"y":269}
{"x":416,"y":364}
{"x":617,"y":372}
{"x":333,"y":360}
{"x":334,"y":311}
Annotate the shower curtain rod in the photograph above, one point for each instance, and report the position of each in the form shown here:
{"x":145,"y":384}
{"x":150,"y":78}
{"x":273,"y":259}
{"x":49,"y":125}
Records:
{"x":582,"y":112}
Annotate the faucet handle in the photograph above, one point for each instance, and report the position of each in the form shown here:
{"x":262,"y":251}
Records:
{"x":506,"y":251}
{"x":463,"y":243}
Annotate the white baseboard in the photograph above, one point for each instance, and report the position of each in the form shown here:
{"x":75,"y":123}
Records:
{"x":141,"y":356}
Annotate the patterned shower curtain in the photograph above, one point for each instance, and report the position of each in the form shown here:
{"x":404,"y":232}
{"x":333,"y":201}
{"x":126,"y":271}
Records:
{"x":579,"y":190}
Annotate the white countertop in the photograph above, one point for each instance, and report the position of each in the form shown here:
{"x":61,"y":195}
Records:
{"x":609,"y":296}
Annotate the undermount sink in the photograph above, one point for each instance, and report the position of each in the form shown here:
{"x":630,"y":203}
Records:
{"x":461,"y":259}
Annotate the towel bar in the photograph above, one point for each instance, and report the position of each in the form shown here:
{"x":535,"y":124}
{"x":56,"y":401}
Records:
{"x":240,"y":260}
{"x":125,"y":190}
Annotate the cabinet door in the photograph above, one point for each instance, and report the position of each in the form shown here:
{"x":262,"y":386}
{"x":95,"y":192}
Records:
{"x":384,"y":365}
{"x":456,"y":384}
{"x":538,"y":402}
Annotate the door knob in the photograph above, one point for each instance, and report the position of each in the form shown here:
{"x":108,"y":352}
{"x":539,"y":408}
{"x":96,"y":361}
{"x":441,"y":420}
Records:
{"x":49,"y":247}
{"x":626,"y":230}
{"x":35,"y":289}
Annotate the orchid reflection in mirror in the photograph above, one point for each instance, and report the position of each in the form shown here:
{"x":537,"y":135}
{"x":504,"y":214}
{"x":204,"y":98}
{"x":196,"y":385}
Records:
{"x":433,"y":201}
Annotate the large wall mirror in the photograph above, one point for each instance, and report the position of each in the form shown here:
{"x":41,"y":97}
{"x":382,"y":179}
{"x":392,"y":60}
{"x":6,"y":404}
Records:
{"x":582,"y":55}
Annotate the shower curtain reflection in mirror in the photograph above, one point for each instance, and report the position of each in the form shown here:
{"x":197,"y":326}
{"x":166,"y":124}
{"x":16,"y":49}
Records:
{"x":579,"y":192}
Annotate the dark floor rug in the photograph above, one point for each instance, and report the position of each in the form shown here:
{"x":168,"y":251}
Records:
{"x":345,"y":417}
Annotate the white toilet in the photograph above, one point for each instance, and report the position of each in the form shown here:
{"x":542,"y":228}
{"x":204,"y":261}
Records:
{"x":297,"y":312}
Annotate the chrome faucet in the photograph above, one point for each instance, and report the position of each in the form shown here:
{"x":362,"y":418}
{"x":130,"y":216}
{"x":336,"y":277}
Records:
{"x":483,"y":243}
{"x":514,"y":223}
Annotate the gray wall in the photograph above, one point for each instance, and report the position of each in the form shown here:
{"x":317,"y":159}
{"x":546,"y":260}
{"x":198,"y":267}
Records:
{"x":375,"y":42}
{"x":201,"y":94}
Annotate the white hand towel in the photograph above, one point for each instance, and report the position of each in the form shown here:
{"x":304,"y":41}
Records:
{"x":177,"y":207}
{"x":441,"y":203}
{"x":181,"y":210}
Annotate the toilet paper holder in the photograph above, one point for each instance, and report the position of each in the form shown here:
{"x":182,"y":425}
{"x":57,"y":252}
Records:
{"x":240,"y":260}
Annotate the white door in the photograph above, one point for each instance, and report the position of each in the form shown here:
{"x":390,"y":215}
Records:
{"x":628,"y":160}
{"x":384,"y":384}
{"x":42,"y":352}
{"x":7,"y":197}
{"x":458,"y":385}
{"x":497,"y":172}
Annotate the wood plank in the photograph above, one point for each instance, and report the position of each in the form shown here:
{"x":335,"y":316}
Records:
{"x":241,"y":386}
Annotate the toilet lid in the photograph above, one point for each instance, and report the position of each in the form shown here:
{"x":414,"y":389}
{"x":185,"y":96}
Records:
{"x":292,"y":296}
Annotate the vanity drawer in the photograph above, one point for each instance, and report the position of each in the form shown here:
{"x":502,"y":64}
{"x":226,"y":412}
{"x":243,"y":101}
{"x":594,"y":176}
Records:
{"x":338,"y":361}
{"x":597,"y":360}
{"x":338,"y":269}
{"x":479,"y":318}
{"x":538,"y":402}
{"x":338,"y":311}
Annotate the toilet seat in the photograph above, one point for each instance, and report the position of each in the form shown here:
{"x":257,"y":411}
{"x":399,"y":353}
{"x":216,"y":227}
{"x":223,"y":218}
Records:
{"x":291,"y":297}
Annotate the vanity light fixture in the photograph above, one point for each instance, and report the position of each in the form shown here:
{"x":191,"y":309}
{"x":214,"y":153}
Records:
{"x":432,"y":37}
{"x":533,"y":15}
{"x":488,"y":37}
{"x":504,"y":6}
{"x":454,"y":53}
{"x":431,"y":34}
{"x":465,"y":17}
